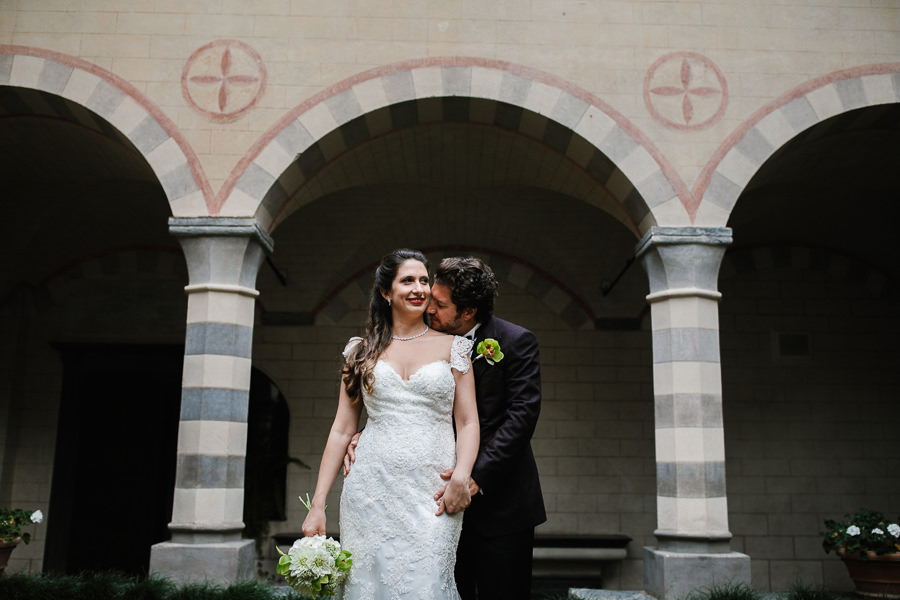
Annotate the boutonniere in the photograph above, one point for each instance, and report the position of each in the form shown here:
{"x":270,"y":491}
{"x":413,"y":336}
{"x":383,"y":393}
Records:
{"x":489,"y":349}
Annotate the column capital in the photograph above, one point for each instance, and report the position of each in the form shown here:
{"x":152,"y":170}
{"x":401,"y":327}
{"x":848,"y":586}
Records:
{"x":223,"y":227}
{"x":671,"y":236}
{"x":223,"y":254}
{"x":683,"y":261}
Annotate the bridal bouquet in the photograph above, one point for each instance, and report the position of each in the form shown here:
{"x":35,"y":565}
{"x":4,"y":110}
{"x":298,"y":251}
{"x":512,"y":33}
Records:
{"x":315,"y":566}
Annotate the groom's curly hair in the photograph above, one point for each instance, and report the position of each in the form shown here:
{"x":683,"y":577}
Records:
{"x":471,"y":282}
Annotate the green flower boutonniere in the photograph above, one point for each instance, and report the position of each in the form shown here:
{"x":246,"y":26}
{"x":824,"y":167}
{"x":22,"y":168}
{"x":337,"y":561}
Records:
{"x":489,"y":349}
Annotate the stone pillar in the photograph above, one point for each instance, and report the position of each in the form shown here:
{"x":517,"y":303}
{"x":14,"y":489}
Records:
{"x":692,"y":512}
{"x":223,"y":257}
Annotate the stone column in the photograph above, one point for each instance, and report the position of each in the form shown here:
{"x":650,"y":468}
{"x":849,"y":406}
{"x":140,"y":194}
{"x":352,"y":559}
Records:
{"x":692,"y":512}
{"x":223,"y":257}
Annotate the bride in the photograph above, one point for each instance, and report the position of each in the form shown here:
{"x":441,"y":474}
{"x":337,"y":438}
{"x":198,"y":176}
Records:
{"x":414,"y":383}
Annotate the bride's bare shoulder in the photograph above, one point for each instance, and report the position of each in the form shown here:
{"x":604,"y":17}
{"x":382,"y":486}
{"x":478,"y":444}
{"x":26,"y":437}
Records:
{"x":440,"y":337}
{"x":440,"y":342}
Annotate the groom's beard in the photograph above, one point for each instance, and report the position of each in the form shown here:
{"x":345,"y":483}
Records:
{"x":453,"y":327}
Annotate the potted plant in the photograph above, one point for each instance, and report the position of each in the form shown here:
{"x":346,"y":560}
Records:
{"x":11,"y":523}
{"x":869,"y":544}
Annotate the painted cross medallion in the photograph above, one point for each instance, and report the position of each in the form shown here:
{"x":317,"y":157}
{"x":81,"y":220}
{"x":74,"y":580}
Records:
{"x":686,"y":91}
{"x":223,"y":79}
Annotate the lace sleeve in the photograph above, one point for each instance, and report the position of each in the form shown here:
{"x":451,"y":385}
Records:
{"x":459,"y":354}
{"x":350,"y":344}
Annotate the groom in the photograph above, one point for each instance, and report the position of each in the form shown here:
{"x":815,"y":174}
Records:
{"x":494,"y":554}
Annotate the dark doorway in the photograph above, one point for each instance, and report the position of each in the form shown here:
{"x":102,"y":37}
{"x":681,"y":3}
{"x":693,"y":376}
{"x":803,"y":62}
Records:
{"x":114,"y":471}
{"x":265,"y":481}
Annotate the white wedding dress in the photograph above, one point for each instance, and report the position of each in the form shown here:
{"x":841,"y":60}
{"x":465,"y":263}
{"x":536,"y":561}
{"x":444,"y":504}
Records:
{"x":400,"y":549}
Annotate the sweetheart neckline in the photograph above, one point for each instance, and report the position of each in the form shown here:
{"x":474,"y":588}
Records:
{"x":400,"y":377}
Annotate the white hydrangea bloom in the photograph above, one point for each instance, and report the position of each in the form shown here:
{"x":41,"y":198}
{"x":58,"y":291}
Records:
{"x":878,"y":531}
{"x":894,"y":530}
{"x":311,"y":559}
{"x":321,"y":563}
{"x":853,"y":530}
{"x":37,"y":516}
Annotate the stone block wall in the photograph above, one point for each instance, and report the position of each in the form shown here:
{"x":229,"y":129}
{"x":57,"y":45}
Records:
{"x":32,"y":381}
{"x":808,"y":437}
{"x":129,"y":297}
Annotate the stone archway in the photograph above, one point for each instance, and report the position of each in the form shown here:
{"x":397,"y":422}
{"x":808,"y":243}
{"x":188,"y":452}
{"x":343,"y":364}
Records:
{"x":769,"y":128}
{"x":129,"y":111}
{"x":611,"y":150}
{"x":544,"y":287}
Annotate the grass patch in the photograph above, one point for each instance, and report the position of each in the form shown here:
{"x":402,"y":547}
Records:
{"x":802,"y":591}
{"x":742,"y":591}
{"x":116,"y":586}
{"x":727,"y":591}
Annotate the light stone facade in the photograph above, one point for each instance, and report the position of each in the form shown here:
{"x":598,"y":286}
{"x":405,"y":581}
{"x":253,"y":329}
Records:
{"x":743,"y":153}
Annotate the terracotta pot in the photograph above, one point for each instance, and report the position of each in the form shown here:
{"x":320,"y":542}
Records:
{"x":873,"y":575}
{"x":6,"y":549}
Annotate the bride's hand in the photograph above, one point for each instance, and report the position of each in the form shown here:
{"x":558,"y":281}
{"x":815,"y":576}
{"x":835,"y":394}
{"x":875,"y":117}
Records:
{"x":314,"y":524}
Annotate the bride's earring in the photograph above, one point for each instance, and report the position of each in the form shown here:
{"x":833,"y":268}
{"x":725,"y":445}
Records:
{"x":388,"y":301}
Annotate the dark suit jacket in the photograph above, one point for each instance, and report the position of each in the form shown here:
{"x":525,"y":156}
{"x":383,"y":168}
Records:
{"x":509,"y":402}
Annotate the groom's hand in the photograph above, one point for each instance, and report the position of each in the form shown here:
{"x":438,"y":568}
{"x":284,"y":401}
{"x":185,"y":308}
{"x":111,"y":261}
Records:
{"x":439,"y":497}
{"x":473,"y":487}
{"x":350,"y":456}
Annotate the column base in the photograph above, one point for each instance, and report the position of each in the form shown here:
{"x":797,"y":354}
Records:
{"x":221,"y":563}
{"x":671,"y":575}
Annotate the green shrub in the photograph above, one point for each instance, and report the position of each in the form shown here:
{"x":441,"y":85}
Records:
{"x":151,"y":588}
{"x":249,"y":590}
{"x":116,"y":586}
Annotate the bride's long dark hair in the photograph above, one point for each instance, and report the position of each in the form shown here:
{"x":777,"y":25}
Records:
{"x":357,"y":372}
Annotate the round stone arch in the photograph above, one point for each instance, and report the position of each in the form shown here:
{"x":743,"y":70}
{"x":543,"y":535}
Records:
{"x":834,"y":264}
{"x":648,"y":189}
{"x":138,"y":290}
{"x":746,"y":150}
{"x":128,"y":110}
{"x":352,"y":294}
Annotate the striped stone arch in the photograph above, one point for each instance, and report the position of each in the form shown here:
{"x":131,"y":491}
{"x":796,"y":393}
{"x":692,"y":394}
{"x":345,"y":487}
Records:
{"x":149,"y":262}
{"x":122,"y":105}
{"x":352,"y":294}
{"x":838,"y":266}
{"x":743,"y":153}
{"x":648,"y":189}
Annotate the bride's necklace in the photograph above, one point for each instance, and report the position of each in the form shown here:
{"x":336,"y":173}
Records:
{"x":412,"y":337}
